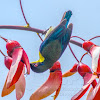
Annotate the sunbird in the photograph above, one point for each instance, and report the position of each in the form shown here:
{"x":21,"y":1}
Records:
{"x":53,"y":46}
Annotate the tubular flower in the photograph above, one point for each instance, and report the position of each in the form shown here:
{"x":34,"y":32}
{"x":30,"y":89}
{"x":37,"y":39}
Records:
{"x":54,"y":45}
{"x":52,"y":84}
{"x":72,"y":71}
{"x":94,"y":50}
{"x":94,"y":93}
{"x":19,"y":86}
{"x":19,"y":58}
{"x":87,"y":75}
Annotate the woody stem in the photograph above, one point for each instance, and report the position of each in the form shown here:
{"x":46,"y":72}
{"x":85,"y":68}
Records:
{"x":23,"y":12}
{"x":34,"y":30}
{"x":83,"y":56}
{"x":73,"y":52}
{"x":3,"y":38}
{"x":93,"y":38}
{"x":2,"y":53}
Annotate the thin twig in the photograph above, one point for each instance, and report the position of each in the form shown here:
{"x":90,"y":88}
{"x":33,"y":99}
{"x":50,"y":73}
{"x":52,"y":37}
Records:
{"x":93,"y":38}
{"x":78,"y":37}
{"x":40,"y":37}
{"x":22,"y":28}
{"x":26,"y":20}
{"x":34,"y":30}
{"x":73,"y":52}
{"x":23,"y":14}
{"x":83,"y":56}
{"x":76,"y":43}
{"x":2,"y":53}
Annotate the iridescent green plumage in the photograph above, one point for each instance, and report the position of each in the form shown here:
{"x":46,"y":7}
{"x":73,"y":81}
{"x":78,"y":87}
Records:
{"x":54,"y":45}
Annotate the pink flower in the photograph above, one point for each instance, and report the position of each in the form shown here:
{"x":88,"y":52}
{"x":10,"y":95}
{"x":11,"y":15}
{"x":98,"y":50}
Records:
{"x":94,"y":50}
{"x":52,"y":84}
{"x":19,"y":59}
{"x":19,"y":86}
{"x":88,"y":77}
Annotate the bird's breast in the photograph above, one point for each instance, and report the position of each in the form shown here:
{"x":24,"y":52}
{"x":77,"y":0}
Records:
{"x":52,"y":50}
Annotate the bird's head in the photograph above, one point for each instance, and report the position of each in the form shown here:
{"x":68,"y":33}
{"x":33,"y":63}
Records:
{"x":40,"y":67}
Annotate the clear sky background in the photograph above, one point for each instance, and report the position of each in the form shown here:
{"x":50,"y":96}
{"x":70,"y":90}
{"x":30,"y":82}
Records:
{"x":42,"y":14}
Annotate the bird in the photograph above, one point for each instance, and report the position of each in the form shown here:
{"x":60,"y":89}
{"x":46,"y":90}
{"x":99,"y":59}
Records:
{"x":53,"y":46}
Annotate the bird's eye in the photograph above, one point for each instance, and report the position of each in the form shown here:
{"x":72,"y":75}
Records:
{"x":35,"y":65}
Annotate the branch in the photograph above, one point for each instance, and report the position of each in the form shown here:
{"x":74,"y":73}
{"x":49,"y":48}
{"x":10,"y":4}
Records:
{"x":73,"y":53}
{"x":23,"y":13}
{"x":76,"y":43}
{"x":34,"y":30}
{"x":22,"y":28}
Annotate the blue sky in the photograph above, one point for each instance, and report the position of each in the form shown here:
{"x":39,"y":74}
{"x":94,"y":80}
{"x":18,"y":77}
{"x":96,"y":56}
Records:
{"x":42,"y":14}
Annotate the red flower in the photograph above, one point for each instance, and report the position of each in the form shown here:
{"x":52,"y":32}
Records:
{"x":94,"y":93}
{"x":19,"y":58}
{"x":52,"y":84}
{"x":19,"y":86}
{"x":94,"y":50}
{"x":87,"y":75}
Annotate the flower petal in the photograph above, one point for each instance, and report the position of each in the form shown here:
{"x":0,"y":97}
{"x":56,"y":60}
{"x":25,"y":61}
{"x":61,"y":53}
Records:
{"x":57,"y":91}
{"x":94,"y":92}
{"x":89,"y":93}
{"x":88,"y":79}
{"x":68,"y":73}
{"x":16,"y":67}
{"x":95,"y":57}
{"x":20,"y":87}
{"x":6,"y":90}
{"x":72,"y":71}
{"x":26,"y":61}
{"x":50,"y":86}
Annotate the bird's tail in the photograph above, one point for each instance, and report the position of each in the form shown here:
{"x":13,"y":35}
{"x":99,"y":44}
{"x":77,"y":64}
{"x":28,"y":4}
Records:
{"x":67,"y":16}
